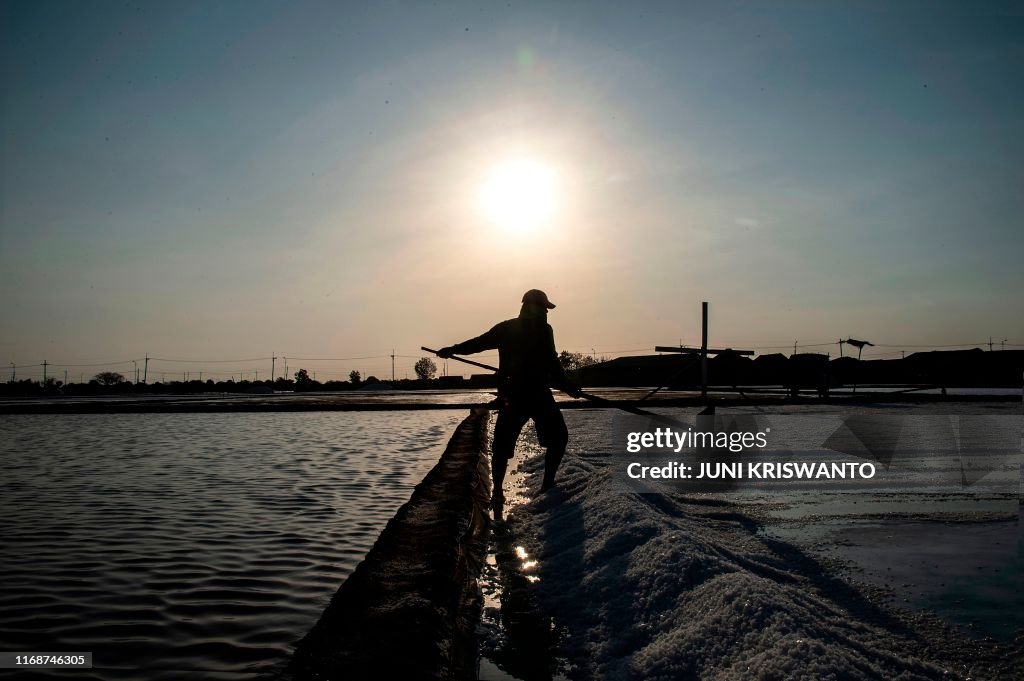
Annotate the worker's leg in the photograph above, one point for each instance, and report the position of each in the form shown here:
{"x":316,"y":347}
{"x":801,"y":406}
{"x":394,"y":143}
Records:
{"x":506,"y":432}
{"x":552,"y":434}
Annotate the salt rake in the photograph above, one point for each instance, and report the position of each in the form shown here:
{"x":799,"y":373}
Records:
{"x":588,"y":396}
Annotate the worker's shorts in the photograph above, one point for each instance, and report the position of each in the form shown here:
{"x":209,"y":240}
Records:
{"x":547,"y":418}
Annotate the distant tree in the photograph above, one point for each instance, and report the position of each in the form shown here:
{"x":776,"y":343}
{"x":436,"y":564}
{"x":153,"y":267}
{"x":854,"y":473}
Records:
{"x":354,"y":377}
{"x":301,"y":376}
{"x":425,"y":369}
{"x":372,"y":379}
{"x":575,"y":360}
{"x":108,"y":378}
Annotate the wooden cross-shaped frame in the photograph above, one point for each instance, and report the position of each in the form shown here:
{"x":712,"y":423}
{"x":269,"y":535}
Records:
{"x":703,"y":350}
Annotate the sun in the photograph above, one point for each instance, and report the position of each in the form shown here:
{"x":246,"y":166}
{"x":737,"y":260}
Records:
{"x":519,"y":195}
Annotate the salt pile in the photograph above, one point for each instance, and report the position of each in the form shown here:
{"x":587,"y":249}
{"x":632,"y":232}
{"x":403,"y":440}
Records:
{"x":658,"y":587}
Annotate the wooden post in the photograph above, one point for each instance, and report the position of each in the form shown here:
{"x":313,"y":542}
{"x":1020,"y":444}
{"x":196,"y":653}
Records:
{"x":704,"y":349}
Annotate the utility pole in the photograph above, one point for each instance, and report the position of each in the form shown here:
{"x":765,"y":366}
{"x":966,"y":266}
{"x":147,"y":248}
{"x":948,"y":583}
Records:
{"x":136,"y":365}
{"x":903,"y":354}
{"x":285,"y":368}
{"x":704,"y":349}
{"x":840,"y":347}
{"x":145,"y":371}
{"x":257,"y":376}
{"x":14,"y":372}
{"x":392,"y":365}
{"x":44,"y":372}
{"x":272,"y":360}
{"x":990,"y":343}
{"x":200,"y":376}
{"x":794,"y":346}
{"x":65,"y":377}
{"x":1002,"y":343}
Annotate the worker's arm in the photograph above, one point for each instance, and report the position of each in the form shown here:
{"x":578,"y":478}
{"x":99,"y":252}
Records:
{"x":559,"y":379}
{"x":486,"y":341}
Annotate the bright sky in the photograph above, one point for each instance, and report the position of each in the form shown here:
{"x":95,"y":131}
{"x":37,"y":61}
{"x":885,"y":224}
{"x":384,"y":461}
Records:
{"x":221,"y":180}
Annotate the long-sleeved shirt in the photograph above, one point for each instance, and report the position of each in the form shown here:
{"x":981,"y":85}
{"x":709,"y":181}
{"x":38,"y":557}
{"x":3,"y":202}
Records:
{"x":526,"y":350}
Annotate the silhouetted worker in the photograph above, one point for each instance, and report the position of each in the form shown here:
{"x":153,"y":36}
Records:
{"x":528,"y":364}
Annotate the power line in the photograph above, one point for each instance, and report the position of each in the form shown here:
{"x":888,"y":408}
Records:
{"x":612,"y":350}
{"x":209,"y":361}
{"x":341,"y":359}
{"x":782,"y":347}
{"x":607,"y":351}
{"x":97,"y":364}
{"x":924,"y":345}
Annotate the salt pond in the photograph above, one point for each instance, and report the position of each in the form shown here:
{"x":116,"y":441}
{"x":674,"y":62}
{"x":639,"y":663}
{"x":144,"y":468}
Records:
{"x":178,"y":543}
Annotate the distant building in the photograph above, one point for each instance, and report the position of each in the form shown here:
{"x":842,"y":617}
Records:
{"x":802,"y":371}
{"x":450,"y":382}
{"x":646,"y":370}
{"x":482,"y":381}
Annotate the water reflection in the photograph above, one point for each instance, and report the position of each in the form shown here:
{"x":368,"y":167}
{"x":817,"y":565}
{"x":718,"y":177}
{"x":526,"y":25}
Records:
{"x":518,"y":638}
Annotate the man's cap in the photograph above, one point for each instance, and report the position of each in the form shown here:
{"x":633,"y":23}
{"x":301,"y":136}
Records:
{"x":537,"y":297}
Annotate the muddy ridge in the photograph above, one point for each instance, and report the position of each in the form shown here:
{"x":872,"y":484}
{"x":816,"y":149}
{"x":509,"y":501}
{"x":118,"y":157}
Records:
{"x":411,"y":608}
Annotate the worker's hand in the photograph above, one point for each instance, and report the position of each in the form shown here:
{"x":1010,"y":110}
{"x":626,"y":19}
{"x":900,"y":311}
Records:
{"x":445,"y":353}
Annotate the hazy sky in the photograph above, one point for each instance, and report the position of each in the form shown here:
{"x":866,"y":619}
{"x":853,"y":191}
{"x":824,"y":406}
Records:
{"x":223,"y":180}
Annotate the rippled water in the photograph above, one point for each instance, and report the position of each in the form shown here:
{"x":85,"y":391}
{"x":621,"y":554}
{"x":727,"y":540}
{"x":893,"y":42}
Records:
{"x":170,"y":545}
